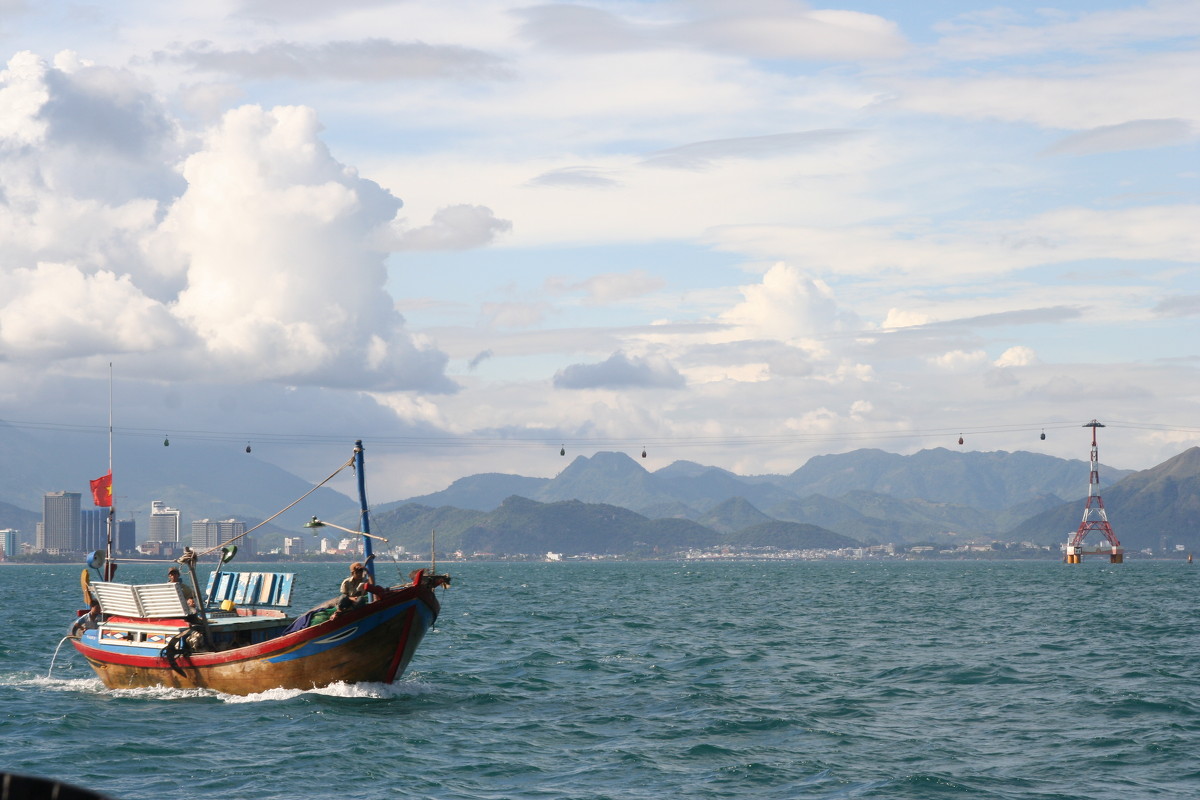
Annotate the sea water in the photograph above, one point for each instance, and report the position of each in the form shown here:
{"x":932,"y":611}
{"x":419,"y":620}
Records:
{"x":571,"y":680}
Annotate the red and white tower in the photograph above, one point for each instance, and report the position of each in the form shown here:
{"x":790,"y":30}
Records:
{"x":1095,"y":518}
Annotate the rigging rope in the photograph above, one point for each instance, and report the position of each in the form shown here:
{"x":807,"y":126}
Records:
{"x":280,"y":511}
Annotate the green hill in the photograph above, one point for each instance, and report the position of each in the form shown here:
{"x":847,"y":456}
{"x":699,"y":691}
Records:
{"x":791,"y":536}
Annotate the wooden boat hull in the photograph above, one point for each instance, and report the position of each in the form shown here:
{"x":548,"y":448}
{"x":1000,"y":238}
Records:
{"x":370,"y":644}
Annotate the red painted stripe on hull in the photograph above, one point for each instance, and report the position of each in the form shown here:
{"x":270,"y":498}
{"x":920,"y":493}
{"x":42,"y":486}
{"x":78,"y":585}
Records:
{"x":401,"y":646}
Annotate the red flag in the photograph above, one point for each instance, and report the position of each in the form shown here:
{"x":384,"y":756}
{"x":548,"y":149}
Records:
{"x":102,"y":490}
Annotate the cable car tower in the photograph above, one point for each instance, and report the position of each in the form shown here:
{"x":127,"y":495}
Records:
{"x":1094,"y":516}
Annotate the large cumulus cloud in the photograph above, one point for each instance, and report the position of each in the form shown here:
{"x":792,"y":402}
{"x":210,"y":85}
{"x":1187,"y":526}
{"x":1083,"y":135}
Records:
{"x":243,"y":252}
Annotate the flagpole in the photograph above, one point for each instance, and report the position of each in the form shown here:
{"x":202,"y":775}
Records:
{"x":112,"y":507}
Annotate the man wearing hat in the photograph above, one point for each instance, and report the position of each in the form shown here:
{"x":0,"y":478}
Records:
{"x":354,"y":588}
{"x":188,"y":594}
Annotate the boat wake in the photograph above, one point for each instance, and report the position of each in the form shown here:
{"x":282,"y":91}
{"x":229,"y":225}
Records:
{"x":358,"y":691}
{"x":92,"y":685}
{"x":95,"y":686}
{"x":411,"y":687}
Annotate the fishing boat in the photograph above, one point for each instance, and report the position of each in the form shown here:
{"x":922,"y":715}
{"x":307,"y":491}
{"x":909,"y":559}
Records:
{"x":236,"y":636}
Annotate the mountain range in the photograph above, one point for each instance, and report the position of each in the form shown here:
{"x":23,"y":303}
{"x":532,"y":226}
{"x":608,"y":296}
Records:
{"x":609,"y":503}
{"x":865,"y":496}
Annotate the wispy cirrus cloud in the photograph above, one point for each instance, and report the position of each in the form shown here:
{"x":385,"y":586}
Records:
{"x":1133,"y":135}
{"x":699,"y":154}
{"x":755,"y":28}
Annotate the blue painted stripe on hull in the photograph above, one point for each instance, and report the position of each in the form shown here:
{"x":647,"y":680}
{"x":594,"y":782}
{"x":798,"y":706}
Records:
{"x":359,"y":629}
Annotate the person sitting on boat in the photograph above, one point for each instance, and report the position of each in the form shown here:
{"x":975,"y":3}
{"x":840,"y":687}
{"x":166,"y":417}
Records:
{"x":188,"y":594}
{"x":355,"y":588}
{"x":87,"y":620}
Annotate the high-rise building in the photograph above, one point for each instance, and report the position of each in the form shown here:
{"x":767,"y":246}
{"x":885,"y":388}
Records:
{"x":125,"y":536}
{"x":204,"y":534}
{"x":164,"y":522}
{"x":93,"y":529}
{"x":207,"y":534}
{"x":60,"y":523}
{"x":10,"y":542}
{"x":94,"y":532}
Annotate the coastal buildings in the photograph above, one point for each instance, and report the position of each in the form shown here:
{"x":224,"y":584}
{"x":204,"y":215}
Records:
{"x":68,"y":529}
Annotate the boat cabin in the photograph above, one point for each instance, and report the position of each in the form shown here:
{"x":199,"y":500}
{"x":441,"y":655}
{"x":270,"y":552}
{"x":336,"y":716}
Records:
{"x":242,"y":608}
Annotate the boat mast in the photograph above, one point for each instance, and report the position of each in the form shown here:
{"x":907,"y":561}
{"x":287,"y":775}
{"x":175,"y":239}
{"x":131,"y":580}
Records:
{"x":364,"y":523}
{"x":112,"y":506}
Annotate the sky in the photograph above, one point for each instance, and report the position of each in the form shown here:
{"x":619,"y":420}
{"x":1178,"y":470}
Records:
{"x":479,"y":234}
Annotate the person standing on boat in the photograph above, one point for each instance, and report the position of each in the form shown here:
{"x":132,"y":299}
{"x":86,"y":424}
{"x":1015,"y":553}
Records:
{"x":188,"y":594}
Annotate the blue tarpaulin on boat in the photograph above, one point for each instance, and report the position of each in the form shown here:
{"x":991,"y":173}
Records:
{"x":251,"y":588}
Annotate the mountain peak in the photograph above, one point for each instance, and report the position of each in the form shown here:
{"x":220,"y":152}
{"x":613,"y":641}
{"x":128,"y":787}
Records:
{"x":605,"y":462}
{"x":1184,"y":465}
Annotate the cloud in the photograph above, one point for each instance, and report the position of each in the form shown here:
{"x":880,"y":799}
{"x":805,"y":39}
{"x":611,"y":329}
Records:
{"x":620,"y":372}
{"x":368,"y":60}
{"x":1021,"y":316}
{"x":513,"y":315}
{"x":57,"y":311}
{"x":758,"y":358}
{"x":284,"y":10}
{"x":700,"y":154}
{"x":787,"y":306}
{"x":101,"y":109}
{"x":581,"y":177}
{"x":460,"y":227}
{"x":251,"y":255}
{"x":1186,"y":305}
{"x":23,"y":93}
{"x":1002,"y":32}
{"x":71,"y":132}
{"x":1093,"y":94}
{"x":576,"y":28}
{"x":272,"y":233}
{"x":916,"y":254}
{"x":769,"y":29}
{"x":71,"y":209}
{"x":1135,"y":135}
{"x":1019,"y":356}
{"x":478,"y":359}
{"x":959,"y":360}
{"x":609,"y":288}
{"x":900,"y":318}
